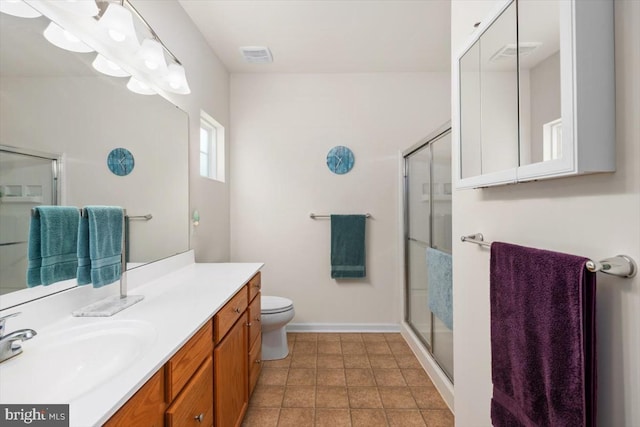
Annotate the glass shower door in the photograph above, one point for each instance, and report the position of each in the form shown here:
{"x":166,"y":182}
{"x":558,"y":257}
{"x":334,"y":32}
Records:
{"x":428,"y":230}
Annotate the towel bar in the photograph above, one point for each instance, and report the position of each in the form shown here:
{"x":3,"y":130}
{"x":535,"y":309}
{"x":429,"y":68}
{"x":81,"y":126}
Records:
{"x":620,"y":265}
{"x":316,"y":216}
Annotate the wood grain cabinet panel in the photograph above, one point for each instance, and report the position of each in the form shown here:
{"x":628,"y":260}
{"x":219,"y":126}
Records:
{"x":231,"y":378}
{"x":146,"y":407}
{"x":255,"y":364}
{"x":194,"y":405}
{"x":185,"y":362}
{"x":229,"y":314}
{"x":255,"y":284}
{"x":255,"y":323}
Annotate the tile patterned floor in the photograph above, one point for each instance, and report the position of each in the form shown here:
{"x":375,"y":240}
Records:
{"x":345,"y":379}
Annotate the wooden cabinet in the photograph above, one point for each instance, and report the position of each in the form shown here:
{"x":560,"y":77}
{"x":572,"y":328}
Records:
{"x":231,"y":379}
{"x":194,"y":405}
{"x":146,"y":407}
{"x":255,"y":335}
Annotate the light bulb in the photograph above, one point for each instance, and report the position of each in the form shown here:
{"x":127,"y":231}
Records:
{"x":118,"y":23}
{"x":62,"y":38}
{"x":135,"y":85}
{"x":108,"y":67}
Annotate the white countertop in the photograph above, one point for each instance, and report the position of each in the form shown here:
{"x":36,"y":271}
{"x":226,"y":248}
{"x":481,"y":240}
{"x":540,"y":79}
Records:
{"x":176,"y":305}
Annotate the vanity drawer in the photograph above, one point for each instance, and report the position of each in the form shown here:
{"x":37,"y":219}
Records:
{"x":194,"y":406}
{"x":255,"y":364}
{"x":227,"y":316}
{"x":185,"y":362}
{"x":255,"y":284}
{"x":255,"y":324}
{"x":145,"y":408}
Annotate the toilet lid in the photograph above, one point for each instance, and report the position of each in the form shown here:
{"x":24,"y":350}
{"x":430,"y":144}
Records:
{"x":270,"y":305}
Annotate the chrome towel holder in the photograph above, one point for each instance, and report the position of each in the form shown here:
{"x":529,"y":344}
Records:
{"x":316,"y":216}
{"x":619,"y":265}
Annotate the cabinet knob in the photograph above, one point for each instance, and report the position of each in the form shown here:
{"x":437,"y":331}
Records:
{"x":257,"y":318}
{"x":237,"y":310}
{"x":249,"y":324}
{"x":200,"y":417}
{"x":258,"y":361}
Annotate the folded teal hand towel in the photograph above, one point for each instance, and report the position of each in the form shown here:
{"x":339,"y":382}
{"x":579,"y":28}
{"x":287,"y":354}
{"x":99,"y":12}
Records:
{"x":348,"y":246}
{"x":105,"y":243}
{"x":58,"y":239}
{"x":84,"y":259}
{"x":34,"y":254}
{"x":440,"y":285}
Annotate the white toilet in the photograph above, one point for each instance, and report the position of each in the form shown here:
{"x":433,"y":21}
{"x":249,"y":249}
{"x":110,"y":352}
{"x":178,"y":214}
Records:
{"x":275,"y":312}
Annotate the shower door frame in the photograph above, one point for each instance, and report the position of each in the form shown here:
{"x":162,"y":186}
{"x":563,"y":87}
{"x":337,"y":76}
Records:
{"x":439,"y":133}
{"x":56,"y":167}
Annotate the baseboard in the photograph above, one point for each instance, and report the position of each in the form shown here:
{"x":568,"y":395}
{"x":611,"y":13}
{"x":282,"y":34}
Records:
{"x":343,"y":327}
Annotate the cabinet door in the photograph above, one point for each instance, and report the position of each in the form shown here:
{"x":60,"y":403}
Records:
{"x":194,"y":405}
{"x":255,"y":323}
{"x":145,"y":408}
{"x":231,"y":377}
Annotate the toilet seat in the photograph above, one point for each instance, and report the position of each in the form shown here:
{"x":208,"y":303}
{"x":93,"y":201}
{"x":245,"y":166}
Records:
{"x":274,"y":305}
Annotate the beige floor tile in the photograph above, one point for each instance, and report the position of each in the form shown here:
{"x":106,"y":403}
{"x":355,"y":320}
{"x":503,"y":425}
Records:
{"x":364,"y":397}
{"x":333,"y":417}
{"x":394,"y":337}
{"x":416,"y":377}
{"x":334,"y":377}
{"x":261,"y":417}
{"x":428,"y":398}
{"x":333,"y":361}
{"x":278,"y":363}
{"x":405,"y":418}
{"x":299,"y":396}
{"x":267,"y":396}
{"x":373,"y":337}
{"x":356,"y":361}
{"x":296,"y":417}
{"x":397,"y":398}
{"x":359,"y":377}
{"x":305,"y":347}
{"x":351,"y":337}
{"x":438,"y":418}
{"x":331,"y":397}
{"x":299,"y":376}
{"x":329,"y":337}
{"x":306,"y":336}
{"x":389,"y":377}
{"x":386,"y":361}
{"x":377,"y":348}
{"x":329,"y":347}
{"x":307,"y":361}
{"x":398,"y":348}
{"x":353,"y":347}
{"x":407,"y":361}
{"x":273,"y":376}
{"x":368,"y":418}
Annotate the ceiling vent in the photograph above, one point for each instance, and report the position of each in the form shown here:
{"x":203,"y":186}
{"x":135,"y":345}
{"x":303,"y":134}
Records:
{"x":256,"y":54}
{"x":509,"y":50}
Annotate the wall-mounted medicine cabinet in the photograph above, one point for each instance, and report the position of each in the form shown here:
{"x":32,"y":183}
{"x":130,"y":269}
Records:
{"x":536,"y":93}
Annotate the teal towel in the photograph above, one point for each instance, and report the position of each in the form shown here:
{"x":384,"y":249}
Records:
{"x":348,"y":246}
{"x":105,"y":243}
{"x":84,"y":259}
{"x":58,"y":236}
{"x":440,"y":285}
{"x":34,"y":253}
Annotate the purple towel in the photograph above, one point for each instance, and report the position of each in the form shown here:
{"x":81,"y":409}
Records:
{"x":543,"y":353}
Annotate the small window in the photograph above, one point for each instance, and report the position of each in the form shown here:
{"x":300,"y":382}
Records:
{"x":211,"y":156}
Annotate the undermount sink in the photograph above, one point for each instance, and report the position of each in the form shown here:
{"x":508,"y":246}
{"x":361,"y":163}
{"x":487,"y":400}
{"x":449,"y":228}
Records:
{"x":60,"y":365}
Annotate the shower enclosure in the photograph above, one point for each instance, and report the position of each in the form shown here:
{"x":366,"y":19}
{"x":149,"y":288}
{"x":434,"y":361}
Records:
{"x":27,"y":178}
{"x":427,"y":230}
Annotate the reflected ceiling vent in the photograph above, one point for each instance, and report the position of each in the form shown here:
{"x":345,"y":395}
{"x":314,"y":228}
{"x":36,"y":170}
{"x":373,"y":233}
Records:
{"x":509,"y":51}
{"x":256,"y":54}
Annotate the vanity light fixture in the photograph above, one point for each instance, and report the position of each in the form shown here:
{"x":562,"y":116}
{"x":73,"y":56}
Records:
{"x":18,"y":8}
{"x":108,"y":67}
{"x":113,"y":28}
{"x":62,"y":38}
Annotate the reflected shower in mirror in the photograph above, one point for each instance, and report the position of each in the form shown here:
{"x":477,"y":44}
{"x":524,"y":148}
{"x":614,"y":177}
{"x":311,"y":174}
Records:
{"x":53,"y":101}
{"x":539,"y":81}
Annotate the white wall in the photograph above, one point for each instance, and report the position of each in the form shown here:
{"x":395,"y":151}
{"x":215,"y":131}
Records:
{"x":595,"y":216}
{"x":283,"y":126}
{"x":209,"y":82}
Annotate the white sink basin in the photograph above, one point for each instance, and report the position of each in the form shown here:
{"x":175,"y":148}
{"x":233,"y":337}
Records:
{"x":58,"y":366}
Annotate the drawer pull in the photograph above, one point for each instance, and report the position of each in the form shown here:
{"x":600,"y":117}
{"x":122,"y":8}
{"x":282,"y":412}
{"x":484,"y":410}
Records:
{"x":237,"y":310}
{"x":257,"y":318}
{"x":258,"y":361}
{"x":200,"y":417}
{"x":249,"y":324}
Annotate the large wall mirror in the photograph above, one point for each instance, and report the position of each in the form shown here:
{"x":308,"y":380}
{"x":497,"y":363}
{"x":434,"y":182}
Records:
{"x":536,"y":93}
{"x":54,"y":107}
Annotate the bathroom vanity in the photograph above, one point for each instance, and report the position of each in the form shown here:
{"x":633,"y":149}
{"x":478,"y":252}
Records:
{"x":188,"y":354}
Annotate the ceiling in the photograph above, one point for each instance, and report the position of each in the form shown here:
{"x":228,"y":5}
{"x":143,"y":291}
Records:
{"x":328,"y":36}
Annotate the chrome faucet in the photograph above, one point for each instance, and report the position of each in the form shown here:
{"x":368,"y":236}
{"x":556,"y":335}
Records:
{"x":11,"y":343}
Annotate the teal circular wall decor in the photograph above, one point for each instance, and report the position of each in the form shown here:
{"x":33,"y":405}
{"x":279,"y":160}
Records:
{"x":120,"y":161}
{"x":340,"y":160}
